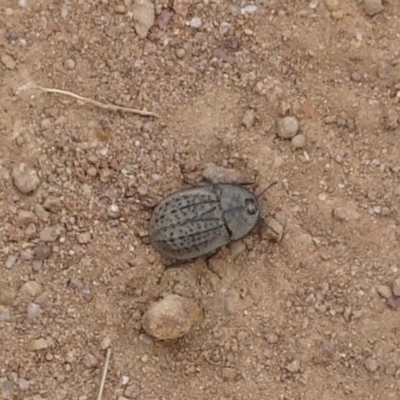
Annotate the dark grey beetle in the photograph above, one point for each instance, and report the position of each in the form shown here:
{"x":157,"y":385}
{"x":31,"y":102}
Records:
{"x":197,"y":222}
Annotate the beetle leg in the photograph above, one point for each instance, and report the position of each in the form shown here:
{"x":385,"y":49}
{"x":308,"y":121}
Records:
{"x":177,"y":264}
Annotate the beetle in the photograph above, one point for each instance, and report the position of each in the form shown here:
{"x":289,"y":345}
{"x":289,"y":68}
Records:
{"x":197,"y":222}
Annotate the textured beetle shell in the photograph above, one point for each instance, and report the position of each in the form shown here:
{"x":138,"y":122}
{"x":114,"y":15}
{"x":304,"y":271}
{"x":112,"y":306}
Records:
{"x":196,"y":222}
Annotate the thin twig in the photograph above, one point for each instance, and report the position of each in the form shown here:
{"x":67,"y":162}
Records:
{"x":95,"y":103}
{"x":103,"y":377}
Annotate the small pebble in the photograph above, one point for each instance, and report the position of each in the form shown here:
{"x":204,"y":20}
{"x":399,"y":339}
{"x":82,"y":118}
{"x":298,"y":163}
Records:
{"x":180,"y":7}
{"x":31,"y":288}
{"x":392,"y":120}
{"x":146,"y":339}
{"x":171,"y":317}
{"x":288,"y":127}
{"x":298,"y":141}
{"x":11,"y":260}
{"x":25,"y":179}
{"x":38,"y":344}
{"x":224,"y":28}
{"x":41,"y":213}
{"x":34,"y":310}
{"x":371,"y":365}
{"x":248,"y":118}
{"x":113,"y":211}
{"x":293,"y":367}
{"x":51,"y":233}
{"x":249,"y":9}
{"x":396,"y":287}
{"x":180,"y":53}
{"x":90,"y":361}
{"x":274,"y":229}
{"x":4,"y":314}
{"x":23,"y":384}
{"x":195,"y":22}
{"x":42,"y":252}
{"x":345,"y":213}
{"x":332,"y":4}
{"x":217,"y":174}
{"x":92,"y":172}
{"x":25,"y":218}
{"x":143,"y":14}
{"x":105,"y":343}
{"x":228,"y":374}
{"x":384,"y":291}
{"x":120,"y":9}
{"x":37,"y":265}
{"x":84,"y":237}
{"x":272,"y":338}
{"x":69,"y":64}
{"x":132,"y":391}
{"x":8,"y":61}
{"x":373,"y":7}
{"x":231,"y":300}
{"x":53,"y":204}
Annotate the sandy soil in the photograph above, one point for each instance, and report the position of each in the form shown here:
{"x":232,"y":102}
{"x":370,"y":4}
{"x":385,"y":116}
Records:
{"x":311,"y":317}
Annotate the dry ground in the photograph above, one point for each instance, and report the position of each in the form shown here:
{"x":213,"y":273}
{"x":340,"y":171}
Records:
{"x":305,"y":318}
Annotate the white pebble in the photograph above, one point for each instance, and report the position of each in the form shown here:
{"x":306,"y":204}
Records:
{"x":249,"y":9}
{"x":64,"y":11}
{"x":22,"y":3}
{"x":195,"y":22}
{"x":33,"y":310}
{"x":313,"y":4}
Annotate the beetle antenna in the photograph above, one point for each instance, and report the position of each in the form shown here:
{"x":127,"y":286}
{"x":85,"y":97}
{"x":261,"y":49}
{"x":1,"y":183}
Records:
{"x":267,"y":188}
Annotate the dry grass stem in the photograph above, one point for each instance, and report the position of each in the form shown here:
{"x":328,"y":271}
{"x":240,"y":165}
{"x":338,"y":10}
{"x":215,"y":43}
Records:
{"x":95,"y":103}
{"x":103,"y":377}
